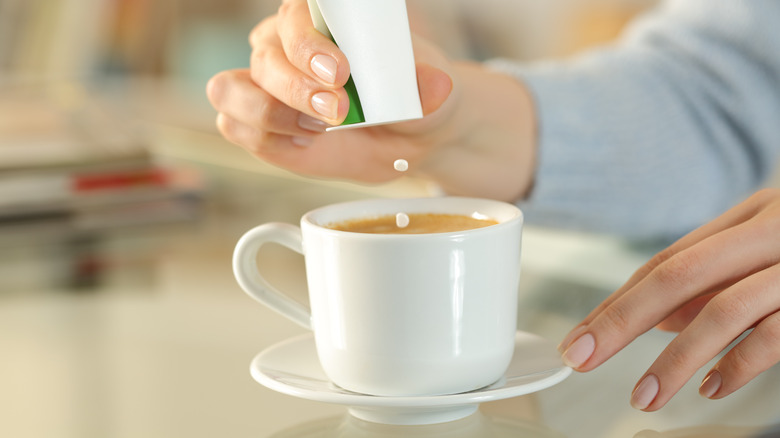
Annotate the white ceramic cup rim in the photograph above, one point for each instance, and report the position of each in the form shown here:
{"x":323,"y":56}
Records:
{"x":504,"y":213}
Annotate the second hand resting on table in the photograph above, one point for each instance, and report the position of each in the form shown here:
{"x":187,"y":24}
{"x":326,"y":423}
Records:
{"x":478,"y":138}
{"x":711,"y":286}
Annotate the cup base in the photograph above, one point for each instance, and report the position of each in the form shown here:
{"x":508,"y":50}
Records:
{"x":423,"y":394}
{"x":413,"y":417}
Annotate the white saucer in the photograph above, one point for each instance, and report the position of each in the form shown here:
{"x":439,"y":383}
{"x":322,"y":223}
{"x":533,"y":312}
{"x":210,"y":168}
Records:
{"x":292,"y":367}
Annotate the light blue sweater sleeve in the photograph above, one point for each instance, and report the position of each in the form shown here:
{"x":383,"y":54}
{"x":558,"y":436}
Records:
{"x":664,"y":130}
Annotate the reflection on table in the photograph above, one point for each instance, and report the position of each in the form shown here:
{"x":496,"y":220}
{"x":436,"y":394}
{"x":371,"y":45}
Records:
{"x":478,"y":425}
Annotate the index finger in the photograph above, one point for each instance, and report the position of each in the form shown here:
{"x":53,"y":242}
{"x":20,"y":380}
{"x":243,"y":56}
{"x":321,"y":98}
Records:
{"x":307,"y":48}
{"x":694,"y":271}
{"x":730,"y":218}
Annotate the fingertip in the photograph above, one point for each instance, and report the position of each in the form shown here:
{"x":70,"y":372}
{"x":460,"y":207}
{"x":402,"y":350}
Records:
{"x":310,"y":123}
{"x":210,"y":86}
{"x":330,"y":107}
{"x":222,"y":123}
{"x":327,"y":63}
{"x":214,"y":88}
{"x":435,"y":87}
{"x":302,"y":141}
{"x":324,"y":67}
{"x":711,"y":385}
{"x":580,"y":351}
{"x":645,"y":393}
{"x":343,"y":108}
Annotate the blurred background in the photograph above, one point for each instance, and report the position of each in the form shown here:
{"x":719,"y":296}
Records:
{"x":120,"y":205}
{"x":105,"y":126}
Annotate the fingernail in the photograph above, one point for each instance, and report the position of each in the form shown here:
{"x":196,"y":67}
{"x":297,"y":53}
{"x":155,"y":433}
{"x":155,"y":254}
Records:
{"x":580,"y":351}
{"x":326,"y":104}
{"x":302,"y":141}
{"x":645,"y":392}
{"x":324,"y":67}
{"x":572,"y":335}
{"x":711,"y":384}
{"x":311,"y":124}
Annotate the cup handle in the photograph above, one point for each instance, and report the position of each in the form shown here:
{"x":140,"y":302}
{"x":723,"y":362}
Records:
{"x":249,"y":278}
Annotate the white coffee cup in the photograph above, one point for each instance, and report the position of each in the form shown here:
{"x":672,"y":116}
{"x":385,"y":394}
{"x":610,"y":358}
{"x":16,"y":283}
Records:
{"x":401,"y":315}
{"x":375,"y":37}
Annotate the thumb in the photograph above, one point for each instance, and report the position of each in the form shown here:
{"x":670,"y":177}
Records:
{"x":435,"y":86}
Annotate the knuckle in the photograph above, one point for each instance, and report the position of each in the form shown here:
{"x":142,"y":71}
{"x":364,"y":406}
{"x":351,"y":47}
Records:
{"x":271,"y":148}
{"x":739,"y":362}
{"x":291,"y":88}
{"x":763,"y":207}
{"x":767,"y":333}
{"x":257,"y":32}
{"x":770,"y":329}
{"x":254,"y":34}
{"x":661,"y":257}
{"x":292,"y":9}
{"x":253,"y":140}
{"x":284,"y":9}
{"x":268,"y":113}
{"x":773,"y":222}
{"x":258,"y":62}
{"x":729,"y":310}
{"x":658,"y":259}
{"x":765,"y":195}
{"x":298,"y":50}
{"x":676,"y":358}
{"x":616,"y":318}
{"x":678,"y":271}
{"x":258,"y":144}
{"x":297,"y":91}
{"x":767,"y":222}
{"x":263,"y":112}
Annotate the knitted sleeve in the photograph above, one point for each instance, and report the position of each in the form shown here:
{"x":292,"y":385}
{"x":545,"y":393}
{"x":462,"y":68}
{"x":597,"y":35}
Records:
{"x":664,"y":130}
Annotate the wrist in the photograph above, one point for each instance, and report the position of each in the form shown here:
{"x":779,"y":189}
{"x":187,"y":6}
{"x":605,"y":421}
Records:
{"x":489,"y":146}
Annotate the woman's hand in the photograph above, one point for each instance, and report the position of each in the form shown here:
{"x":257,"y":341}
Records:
{"x":476,"y":137}
{"x":712,"y":286}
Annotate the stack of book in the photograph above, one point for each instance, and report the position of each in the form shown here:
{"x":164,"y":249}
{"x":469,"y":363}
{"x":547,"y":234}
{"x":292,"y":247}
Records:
{"x":67,"y":164}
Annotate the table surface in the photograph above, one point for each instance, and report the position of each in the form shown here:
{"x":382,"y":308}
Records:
{"x":159,"y":343}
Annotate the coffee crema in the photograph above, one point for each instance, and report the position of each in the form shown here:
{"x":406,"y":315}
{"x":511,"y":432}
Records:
{"x":419,"y":223}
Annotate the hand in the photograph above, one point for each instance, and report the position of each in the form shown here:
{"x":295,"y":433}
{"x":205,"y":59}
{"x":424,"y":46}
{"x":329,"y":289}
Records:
{"x":477,"y":136}
{"x":712,"y":285}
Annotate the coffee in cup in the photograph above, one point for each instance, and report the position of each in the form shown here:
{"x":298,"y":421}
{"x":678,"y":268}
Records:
{"x":418,"y":223}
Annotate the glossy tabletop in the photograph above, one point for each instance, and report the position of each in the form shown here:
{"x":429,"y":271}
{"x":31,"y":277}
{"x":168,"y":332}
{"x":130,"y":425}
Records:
{"x":158,"y":340}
